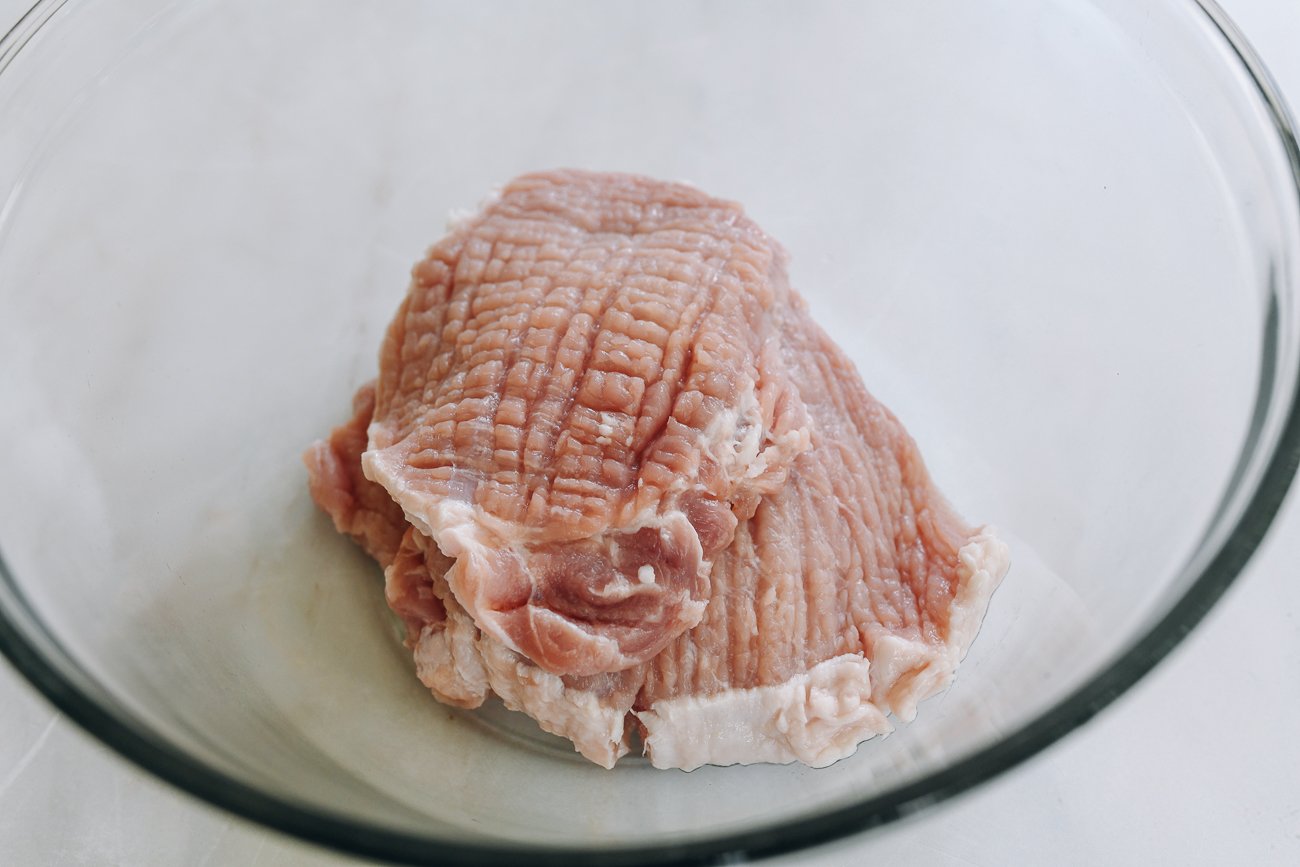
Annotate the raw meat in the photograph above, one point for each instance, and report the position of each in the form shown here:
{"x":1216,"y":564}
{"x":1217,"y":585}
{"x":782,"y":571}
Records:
{"x":359,"y":507}
{"x":644,"y":489}
{"x":579,"y":397}
{"x":852,"y":592}
{"x":458,"y":663}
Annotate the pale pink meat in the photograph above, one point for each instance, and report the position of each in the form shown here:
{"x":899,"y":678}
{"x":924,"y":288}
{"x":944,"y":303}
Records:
{"x":560,"y":401}
{"x":857,"y":555}
{"x":620,"y":478}
{"x":359,"y":507}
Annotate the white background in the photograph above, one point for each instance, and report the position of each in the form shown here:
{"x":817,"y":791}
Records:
{"x":1199,"y":764}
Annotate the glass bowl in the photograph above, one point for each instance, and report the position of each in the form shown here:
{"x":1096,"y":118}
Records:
{"x":1059,"y":239}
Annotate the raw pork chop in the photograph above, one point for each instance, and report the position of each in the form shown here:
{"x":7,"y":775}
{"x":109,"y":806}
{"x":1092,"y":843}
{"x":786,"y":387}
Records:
{"x":580,"y":396}
{"x":665,"y":495}
{"x":453,"y":658}
{"x":853,"y":591}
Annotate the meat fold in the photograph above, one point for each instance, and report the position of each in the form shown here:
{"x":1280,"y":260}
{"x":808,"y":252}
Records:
{"x":617,"y":476}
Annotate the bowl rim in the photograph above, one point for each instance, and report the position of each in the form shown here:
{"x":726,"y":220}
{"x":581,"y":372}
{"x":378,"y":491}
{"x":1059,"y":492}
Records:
{"x":119,"y":730}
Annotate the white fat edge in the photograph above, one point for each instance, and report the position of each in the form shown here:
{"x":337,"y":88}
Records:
{"x":985,"y":560}
{"x":460,"y":529}
{"x":467,"y":534}
{"x":817,"y":717}
{"x":598,"y":730}
{"x":446,"y":657}
{"x":455,"y":525}
{"x":907,"y":670}
{"x":448,"y":662}
{"x":383,"y":469}
{"x":458,"y":526}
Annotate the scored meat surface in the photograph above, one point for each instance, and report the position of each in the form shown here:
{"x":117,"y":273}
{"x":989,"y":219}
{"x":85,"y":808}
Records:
{"x":853,"y":591}
{"x":618,"y":477}
{"x":561,"y":403}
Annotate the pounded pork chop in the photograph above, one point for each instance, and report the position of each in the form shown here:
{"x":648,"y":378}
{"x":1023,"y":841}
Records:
{"x":638,"y":477}
{"x":458,"y":663}
{"x":580,"y":396}
{"x":853,"y":592}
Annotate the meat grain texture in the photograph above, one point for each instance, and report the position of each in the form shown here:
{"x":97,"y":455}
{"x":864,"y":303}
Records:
{"x":616,"y":475}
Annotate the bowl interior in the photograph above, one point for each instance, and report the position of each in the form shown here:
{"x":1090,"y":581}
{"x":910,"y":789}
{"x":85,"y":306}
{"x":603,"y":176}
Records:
{"x":1050,"y":234}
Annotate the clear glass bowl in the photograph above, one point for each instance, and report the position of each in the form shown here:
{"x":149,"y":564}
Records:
{"x":1061,"y":239}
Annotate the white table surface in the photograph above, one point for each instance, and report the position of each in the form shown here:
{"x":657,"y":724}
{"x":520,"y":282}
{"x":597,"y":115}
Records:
{"x":1199,"y":764}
